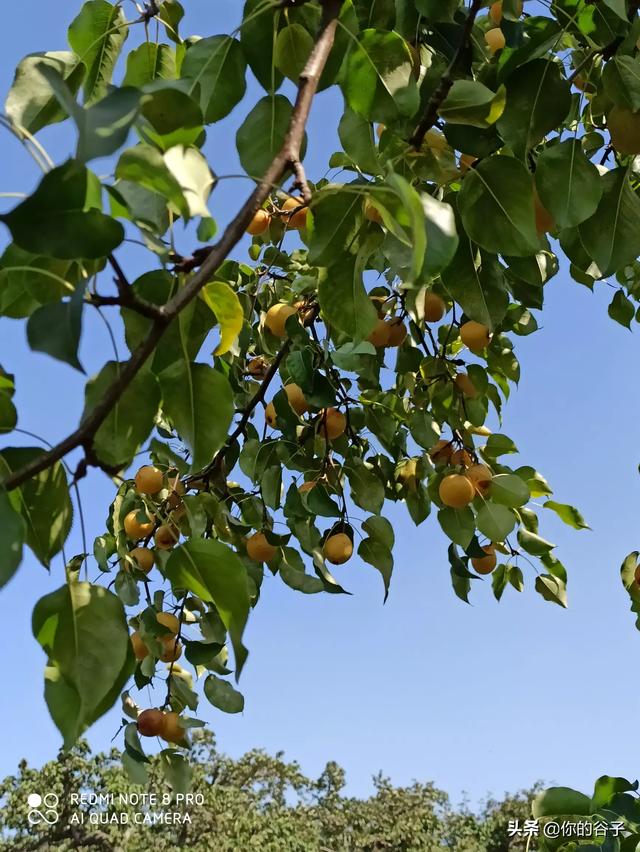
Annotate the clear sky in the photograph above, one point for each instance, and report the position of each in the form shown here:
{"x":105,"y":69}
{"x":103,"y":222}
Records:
{"x":476,"y":698}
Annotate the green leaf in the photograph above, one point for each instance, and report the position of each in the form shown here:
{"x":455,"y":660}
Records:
{"x":538,"y":100}
{"x":471,"y":103}
{"x":621,"y":78}
{"x":43,"y":502}
{"x":191,"y":170}
{"x":61,"y":218}
{"x":458,"y":524}
{"x":130,"y":419}
{"x":258,"y":34}
{"x":215,"y":69}
{"x":336,"y":218}
{"x":612,"y":235}
{"x":497,"y":209}
{"x":509,"y":490}
{"x":262,"y":134}
{"x":344,"y":301}
{"x":606,"y":788}
{"x":199,"y":402}
{"x":97,"y":36}
{"x":495,"y":521}
{"x":568,"y":514}
{"x":31,"y":102}
{"x":8,"y":413}
{"x":222,"y":695}
{"x":292,"y":49}
{"x":552,"y":589}
{"x":622,"y":309}
{"x":377,"y":79}
{"x":619,"y":7}
{"x":380,"y":557}
{"x":55,"y":329}
{"x":12,"y":537}
{"x":214,"y":572}
{"x":437,"y":10}
{"x":144,"y":165}
{"x":557,"y":801}
{"x":83,"y":630}
{"x":226,"y":306}
{"x":171,"y":14}
{"x":379,"y":529}
{"x":170,"y":116}
{"x":499,"y":445}
{"x":176,"y":770}
{"x":149,"y":62}
{"x":367,"y":491}
{"x":534,"y":544}
{"x":356,"y":136}
{"x":568,"y":184}
{"x":475,"y":281}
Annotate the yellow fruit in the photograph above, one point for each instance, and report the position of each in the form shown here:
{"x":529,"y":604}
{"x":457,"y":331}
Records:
{"x":397,"y":333}
{"x":136,"y":530}
{"x":495,"y":39}
{"x":259,"y":549}
{"x":475,"y":336}
{"x":441,"y":452}
{"x":172,"y":730}
{"x":332,"y":424}
{"x":171,"y":649}
{"x":407,"y":474}
{"x":466,"y":162}
{"x":296,"y":220}
{"x":140,"y":650}
{"x":465,"y":385}
{"x":434,"y":307}
{"x":481,"y":476}
{"x":435,"y":141}
{"x":461,"y":458}
{"x":544,"y":220}
{"x":338,"y":549}
{"x":296,"y":398}
{"x":379,"y":337}
{"x":371,"y":212}
{"x":456,"y":491}
{"x":257,"y":368}
{"x":624,"y":127}
{"x":170,"y":621}
{"x":485,"y":564}
{"x":143,"y":557}
{"x":150,"y":723}
{"x":149,"y":480}
{"x":276,"y":318}
{"x":380,"y":130}
{"x":270,"y":415}
{"x":260,"y":223}
{"x":166,"y":537}
{"x":495,"y":12}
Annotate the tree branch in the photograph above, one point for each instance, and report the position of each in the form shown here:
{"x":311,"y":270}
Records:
{"x":288,"y":157}
{"x":438,"y":97}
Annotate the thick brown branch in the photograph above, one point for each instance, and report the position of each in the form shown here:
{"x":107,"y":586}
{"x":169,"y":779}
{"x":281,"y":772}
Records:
{"x":288,"y":155}
{"x":439,"y":96}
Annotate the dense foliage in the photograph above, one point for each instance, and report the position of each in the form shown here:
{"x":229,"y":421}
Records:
{"x":360,"y":353}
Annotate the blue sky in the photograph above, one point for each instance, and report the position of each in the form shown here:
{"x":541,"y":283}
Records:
{"x":482,"y":698}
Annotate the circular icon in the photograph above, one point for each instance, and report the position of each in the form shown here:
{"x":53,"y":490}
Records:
{"x":50,"y":814}
{"x":34,"y":800}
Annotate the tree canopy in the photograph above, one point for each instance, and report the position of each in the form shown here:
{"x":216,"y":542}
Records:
{"x":354,"y":359}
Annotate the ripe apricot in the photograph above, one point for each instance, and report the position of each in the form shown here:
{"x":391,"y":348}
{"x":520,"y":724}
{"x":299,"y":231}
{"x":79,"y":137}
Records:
{"x":456,"y":491}
{"x":485,"y":564}
{"x":149,"y":480}
{"x":475,"y":336}
{"x":379,"y":337}
{"x":495,"y":12}
{"x":296,"y":398}
{"x":407,"y":474}
{"x":259,"y":224}
{"x":466,"y":162}
{"x":150,"y":723}
{"x":171,"y":648}
{"x":137,"y":530}
{"x":441,"y":452}
{"x":170,"y":621}
{"x":397,"y":333}
{"x":259,"y":549}
{"x":140,"y":650}
{"x":333,"y":424}
{"x":166,"y":537}
{"x":434,"y":307}
{"x":338,"y":549}
{"x":371,"y":212}
{"x":276,"y":318}
{"x":544,"y":220}
{"x":270,"y":415}
{"x":461,"y":458}
{"x":257,"y":368}
{"x":296,"y":217}
{"x":143,"y":557}
{"x":624,"y":127}
{"x":465,"y":385}
{"x":172,"y":730}
{"x":495,"y":39}
{"x":481,"y":477}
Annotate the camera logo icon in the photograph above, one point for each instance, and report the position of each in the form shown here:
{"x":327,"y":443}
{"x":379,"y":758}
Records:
{"x":43,"y":809}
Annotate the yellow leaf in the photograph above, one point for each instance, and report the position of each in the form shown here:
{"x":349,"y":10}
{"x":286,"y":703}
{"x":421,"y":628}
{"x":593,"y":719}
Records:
{"x":226,"y":306}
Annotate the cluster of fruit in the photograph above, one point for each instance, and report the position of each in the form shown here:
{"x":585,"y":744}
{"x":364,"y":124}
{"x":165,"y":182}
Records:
{"x":292,"y":212}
